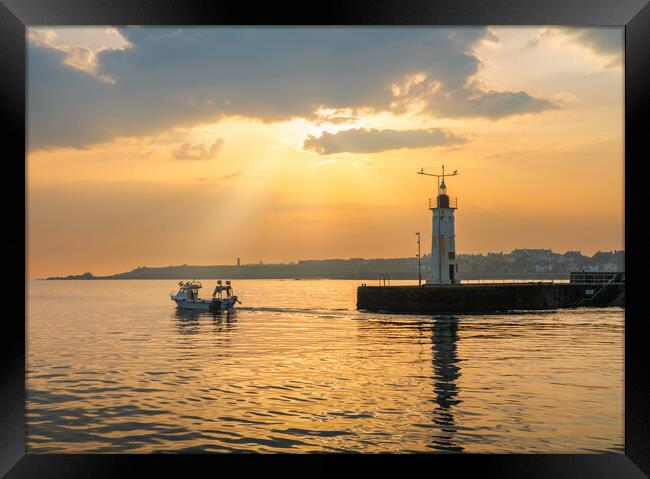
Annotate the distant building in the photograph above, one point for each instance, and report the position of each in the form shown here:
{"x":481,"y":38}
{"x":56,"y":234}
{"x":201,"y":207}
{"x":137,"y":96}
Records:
{"x":572,"y":266}
{"x":609,"y":267}
{"x":575,"y":256}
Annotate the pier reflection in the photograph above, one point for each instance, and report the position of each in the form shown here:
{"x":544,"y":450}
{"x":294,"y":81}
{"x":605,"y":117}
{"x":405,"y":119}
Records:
{"x":431,"y":352}
{"x":446,"y":371}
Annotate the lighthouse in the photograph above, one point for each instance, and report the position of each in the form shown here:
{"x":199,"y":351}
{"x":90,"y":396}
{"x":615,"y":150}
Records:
{"x":444,"y":268}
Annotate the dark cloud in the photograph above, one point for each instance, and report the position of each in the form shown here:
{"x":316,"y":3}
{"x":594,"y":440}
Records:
{"x":604,"y":41}
{"x":373,"y":141}
{"x":171,"y":77}
{"x":188,"y":151}
{"x":488,"y":104}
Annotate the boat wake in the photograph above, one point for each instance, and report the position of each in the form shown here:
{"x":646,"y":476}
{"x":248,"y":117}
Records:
{"x":334,"y":312}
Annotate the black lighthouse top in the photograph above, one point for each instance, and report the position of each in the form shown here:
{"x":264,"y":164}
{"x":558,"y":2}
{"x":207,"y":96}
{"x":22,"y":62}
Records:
{"x":443,"y":199}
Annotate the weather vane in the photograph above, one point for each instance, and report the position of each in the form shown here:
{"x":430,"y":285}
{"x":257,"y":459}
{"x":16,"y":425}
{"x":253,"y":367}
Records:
{"x":442,"y":175}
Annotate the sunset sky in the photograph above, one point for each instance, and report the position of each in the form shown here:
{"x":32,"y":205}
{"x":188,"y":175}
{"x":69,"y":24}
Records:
{"x":161,"y":146}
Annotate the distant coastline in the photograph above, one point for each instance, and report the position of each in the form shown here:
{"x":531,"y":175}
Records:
{"x":518,"y":264}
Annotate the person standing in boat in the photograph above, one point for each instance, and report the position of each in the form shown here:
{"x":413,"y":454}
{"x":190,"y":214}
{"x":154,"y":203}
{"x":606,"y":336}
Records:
{"x":220,"y":288}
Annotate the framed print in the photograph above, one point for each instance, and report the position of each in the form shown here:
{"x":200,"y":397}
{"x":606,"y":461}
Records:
{"x":408,"y":233}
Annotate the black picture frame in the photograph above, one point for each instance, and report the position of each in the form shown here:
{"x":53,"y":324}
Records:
{"x":634,"y":15}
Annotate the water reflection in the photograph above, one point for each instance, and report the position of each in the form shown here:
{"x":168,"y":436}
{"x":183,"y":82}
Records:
{"x":446,"y":372}
{"x":190,"y":322}
{"x":439,"y":333}
{"x":112,"y":368}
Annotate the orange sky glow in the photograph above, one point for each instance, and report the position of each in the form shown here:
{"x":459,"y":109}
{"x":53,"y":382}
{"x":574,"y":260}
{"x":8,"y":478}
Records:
{"x":209,"y":167}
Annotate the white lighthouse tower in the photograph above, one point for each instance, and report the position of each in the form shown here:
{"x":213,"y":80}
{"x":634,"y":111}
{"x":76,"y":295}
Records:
{"x":444,"y":269}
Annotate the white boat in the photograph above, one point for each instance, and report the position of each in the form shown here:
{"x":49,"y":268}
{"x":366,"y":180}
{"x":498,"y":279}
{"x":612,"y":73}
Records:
{"x":187,"y":297}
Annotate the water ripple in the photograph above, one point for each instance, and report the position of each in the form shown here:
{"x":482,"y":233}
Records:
{"x":113,"y":367}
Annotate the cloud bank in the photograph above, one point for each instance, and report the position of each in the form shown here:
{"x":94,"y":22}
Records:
{"x":374,"y":141}
{"x":177,"y":77}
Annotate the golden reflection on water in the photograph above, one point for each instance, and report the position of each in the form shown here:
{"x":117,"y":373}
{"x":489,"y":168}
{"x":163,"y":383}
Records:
{"x":112,"y":366}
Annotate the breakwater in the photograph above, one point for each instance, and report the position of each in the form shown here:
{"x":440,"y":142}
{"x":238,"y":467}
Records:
{"x":487,"y":298}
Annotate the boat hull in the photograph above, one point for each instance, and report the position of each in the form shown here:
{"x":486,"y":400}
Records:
{"x":206,"y":305}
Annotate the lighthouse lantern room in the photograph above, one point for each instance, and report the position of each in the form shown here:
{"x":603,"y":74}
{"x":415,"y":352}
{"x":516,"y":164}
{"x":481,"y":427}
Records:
{"x":444,"y":268}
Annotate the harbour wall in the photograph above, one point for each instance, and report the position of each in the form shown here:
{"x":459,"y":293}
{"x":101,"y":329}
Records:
{"x":487,"y":298}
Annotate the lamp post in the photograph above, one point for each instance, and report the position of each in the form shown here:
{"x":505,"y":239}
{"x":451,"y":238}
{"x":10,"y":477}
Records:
{"x":419,"y":265}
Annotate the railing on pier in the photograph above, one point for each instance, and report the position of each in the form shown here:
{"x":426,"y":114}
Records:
{"x":581,"y":278}
{"x":597,"y":278}
{"x":592,"y":298}
{"x":384,"y":279}
{"x":514,"y":281}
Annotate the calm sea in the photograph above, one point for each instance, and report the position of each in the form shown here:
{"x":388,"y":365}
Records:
{"x":112,"y":367}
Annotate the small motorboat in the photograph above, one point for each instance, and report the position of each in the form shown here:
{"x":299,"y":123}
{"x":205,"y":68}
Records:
{"x":187,"y":297}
